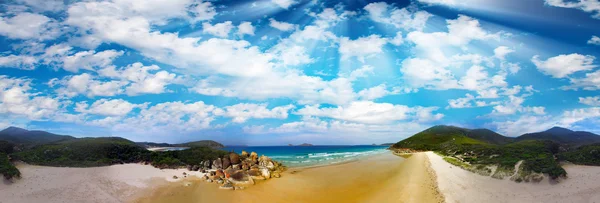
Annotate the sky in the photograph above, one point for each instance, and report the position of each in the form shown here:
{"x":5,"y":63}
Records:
{"x":273,"y":72}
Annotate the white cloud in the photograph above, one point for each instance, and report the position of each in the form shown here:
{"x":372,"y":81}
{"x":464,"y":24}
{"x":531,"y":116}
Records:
{"x":219,"y":29}
{"x":283,"y":26}
{"x":590,"y":101}
{"x":87,"y":85}
{"x":374,"y":92}
{"x":141,"y":80}
{"x":203,"y":11}
{"x":401,"y":18}
{"x":362,"y":47}
{"x":563,"y":65}
{"x":524,"y":124}
{"x":370,"y":112}
{"x":18,"y":99}
{"x":502,"y":51}
{"x":114,"y":107}
{"x":44,"y":5}
{"x":284,"y":3}
{"x":397,"y":40}
{"x":244,"y":111}
{"x":589,"y":82}
{"x":29,"y":26}
{"x":589,"y":6}
{"x":594,"y":40}
{"x":18,"y":61}
{"x":245,"y":28}
{"x":89,"y":60}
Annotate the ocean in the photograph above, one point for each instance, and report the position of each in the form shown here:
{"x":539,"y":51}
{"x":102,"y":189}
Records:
{"x":301,"y":156}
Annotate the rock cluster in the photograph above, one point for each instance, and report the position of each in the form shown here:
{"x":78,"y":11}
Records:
{"x":238,"y":171}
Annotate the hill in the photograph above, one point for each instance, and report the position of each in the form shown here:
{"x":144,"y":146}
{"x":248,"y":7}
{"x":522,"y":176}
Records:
{"x":201,"y":143}
{"x":478,"y":149}
{"x":84,"y":152}
{"x":563,"y":136}
{"x":28,"y":138}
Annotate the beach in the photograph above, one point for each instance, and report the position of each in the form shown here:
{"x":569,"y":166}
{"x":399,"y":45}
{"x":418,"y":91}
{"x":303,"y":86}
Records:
{"x":458,"y":185}
{"x":117,"y":183}
{"x":378,"y":178}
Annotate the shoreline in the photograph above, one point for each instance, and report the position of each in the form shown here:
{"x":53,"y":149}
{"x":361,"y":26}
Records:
{"x":378,"y":178}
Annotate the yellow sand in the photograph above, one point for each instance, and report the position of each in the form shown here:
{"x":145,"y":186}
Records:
{"x":378,"y":178}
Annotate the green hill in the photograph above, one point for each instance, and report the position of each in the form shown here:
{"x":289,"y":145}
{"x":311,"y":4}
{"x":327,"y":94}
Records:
{"x":563,"y":136}
{"x":84,"y":152}
{"x":585,"y":155}
{"x":29,"y":138}
{"x":201,"y":143}
{"x":477,"y":149}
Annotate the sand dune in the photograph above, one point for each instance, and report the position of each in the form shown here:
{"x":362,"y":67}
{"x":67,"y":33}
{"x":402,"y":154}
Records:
{"x":458,"y":185}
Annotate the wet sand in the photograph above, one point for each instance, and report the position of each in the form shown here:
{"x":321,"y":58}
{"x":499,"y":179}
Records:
{"x":378,"y":178}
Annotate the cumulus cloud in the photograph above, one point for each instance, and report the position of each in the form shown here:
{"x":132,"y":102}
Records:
{"x":18,"y":98}
{"x":29,"y":26}
{"x":105,"y":107}
{"x":362,"y":47}
{"x":86,"y":84}
{"x":502,"y":51}
{"x":283,"y":26}
{"x":245,"y":28}
{"x":595,"y":40}
{"x":219,"y":29}
{"x":563,"y":65}
{"x":590,"y":101}
{"x":240,"y":113}
{"x":381,"y":12}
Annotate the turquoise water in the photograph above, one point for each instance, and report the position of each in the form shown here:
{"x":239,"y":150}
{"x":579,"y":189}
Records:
{"x":299,"y":156}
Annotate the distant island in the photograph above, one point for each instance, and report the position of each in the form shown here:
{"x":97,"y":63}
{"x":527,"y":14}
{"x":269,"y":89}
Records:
{"x":305,"y":145}
{"x":488,"y":153}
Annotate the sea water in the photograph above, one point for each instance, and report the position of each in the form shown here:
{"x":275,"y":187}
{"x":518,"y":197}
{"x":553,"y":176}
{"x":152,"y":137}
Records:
{"x":301,"y":156}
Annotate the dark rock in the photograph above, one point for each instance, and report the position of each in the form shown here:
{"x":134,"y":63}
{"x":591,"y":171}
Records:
{"x":195,"y":168}
{"x":245,"y":166}
{"x":189,"y":167}
{"x":275,"y":175}
{"x":207,"y":164}
{"x":234,"y":158}
{"x":226,"y":162}
{"x":255,"y":174}
{"x":175,"y":177}
{"x":241,"y":178}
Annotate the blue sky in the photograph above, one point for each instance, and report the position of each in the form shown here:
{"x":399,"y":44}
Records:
{"x":274,"y":72}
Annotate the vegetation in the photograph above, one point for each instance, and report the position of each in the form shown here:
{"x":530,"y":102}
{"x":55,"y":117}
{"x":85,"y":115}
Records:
{"x":7,"y":168}
{"x":26,"y":138}
{"x":585,"y":155}
{"x":192,"y":156}
{"x":481,"y":150}
{"x":202,"y":143}
{"x":6,"y":147}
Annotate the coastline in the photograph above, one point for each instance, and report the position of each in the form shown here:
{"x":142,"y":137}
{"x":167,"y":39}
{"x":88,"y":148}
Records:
{"x":378,"y":178}
{"x":116,"y":183}
{"x":459,"y":185}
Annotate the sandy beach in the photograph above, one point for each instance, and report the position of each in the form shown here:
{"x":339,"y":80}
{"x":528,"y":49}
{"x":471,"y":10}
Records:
{"x":117,"y":183}
{"x":378,"y":178}
{"x":458,"y":185}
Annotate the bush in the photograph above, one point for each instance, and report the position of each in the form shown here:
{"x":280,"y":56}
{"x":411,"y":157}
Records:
{"x":7,"y":168}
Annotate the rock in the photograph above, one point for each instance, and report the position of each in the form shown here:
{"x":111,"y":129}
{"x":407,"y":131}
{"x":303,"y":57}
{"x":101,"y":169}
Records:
{"x":266,"y":162}
{"x":220,"y":181}
{"x":236,"y":167}
{"x":265,"y":172}
{"x":217,"y":164}
{"x":228,"y":172}
{"x":241,"y":178}
{"x":175,"y":177}
{"x":227,"y":186}
{"x":219,"y":173}
{"x":239,"y":187}
{"x":210,"y":180}
{"x":244,"y":154}
{"x":254,"y":157}
{"x":275,"y":175}
{"x":207,"y":164}
{"x":189,"y":167}
{"x":195,"y":168}
{"x":213,"y":173}
{"x":203,"y":171}
{"x":234,"y":158}
{"x":226,"y":162}
{"x":184,"y":173}
{"x":245,"y":166}
{"x":205,"y":177}
{"x":255,"y":174}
